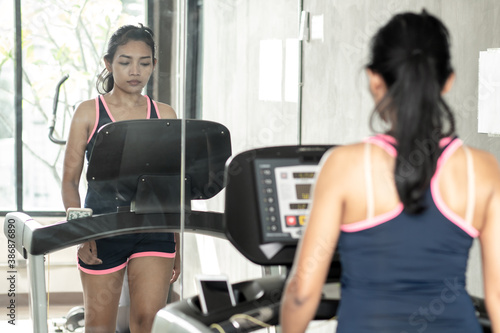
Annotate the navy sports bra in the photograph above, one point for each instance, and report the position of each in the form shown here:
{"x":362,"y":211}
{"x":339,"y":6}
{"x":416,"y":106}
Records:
{"x":405,"y":273}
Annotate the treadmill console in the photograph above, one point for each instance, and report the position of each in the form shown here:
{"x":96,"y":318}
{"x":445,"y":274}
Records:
{"x":268,"y":198}
{"x":284,"y":197}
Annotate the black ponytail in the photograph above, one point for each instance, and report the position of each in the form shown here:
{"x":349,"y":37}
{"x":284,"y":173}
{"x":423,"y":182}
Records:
{"x":411,"y":53}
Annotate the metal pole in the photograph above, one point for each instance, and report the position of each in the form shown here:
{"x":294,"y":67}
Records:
{"x":18,"y":105}
{"x":38,"y":296}
{"x":180,"y":102}
{"x":300,"y":83}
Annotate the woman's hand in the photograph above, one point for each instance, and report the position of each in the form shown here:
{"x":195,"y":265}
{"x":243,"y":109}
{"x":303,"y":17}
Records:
{"x":177,"y":262}
{"x":87,"y":252}
{"x":177,"y":268}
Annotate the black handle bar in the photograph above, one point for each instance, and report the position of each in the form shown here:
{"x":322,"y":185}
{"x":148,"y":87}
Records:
{"x":54,"y":112}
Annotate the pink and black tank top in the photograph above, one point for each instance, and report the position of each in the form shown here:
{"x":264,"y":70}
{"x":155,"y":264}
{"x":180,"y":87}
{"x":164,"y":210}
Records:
{"x":406,"y":273}
{"x":105,"y":201}
{"x":104,"y":116}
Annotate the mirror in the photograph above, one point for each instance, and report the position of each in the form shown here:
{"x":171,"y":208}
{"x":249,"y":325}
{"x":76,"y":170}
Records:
{"x":272,"y":72}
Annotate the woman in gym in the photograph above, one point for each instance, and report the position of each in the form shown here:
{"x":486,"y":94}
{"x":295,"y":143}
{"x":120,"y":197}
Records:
{"x":151,"y":258}
{"x":403,"y":206}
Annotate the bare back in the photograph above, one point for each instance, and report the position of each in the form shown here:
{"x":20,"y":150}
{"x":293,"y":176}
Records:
{"x":453,"y":180}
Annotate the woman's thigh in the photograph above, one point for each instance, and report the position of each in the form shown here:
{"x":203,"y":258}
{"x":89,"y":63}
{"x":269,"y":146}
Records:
{"x":101,"y":296}
{"x":148,"y":279}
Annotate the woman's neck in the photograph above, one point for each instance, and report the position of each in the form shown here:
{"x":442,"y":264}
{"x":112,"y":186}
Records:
{"x":118,"y":97}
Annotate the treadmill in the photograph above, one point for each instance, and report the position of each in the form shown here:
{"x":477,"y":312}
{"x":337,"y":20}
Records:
{"x":266,"y":206}
{"x":140,"y":160}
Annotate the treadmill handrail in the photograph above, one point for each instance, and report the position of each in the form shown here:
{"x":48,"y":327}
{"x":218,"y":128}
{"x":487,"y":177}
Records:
{"x":14,"y":227}
{"x":38,"y":239}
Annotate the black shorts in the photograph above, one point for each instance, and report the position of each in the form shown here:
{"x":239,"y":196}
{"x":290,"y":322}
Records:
{"x":116,"y":251}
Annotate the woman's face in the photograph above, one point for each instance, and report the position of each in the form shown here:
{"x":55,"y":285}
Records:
{"x":132,"y":66}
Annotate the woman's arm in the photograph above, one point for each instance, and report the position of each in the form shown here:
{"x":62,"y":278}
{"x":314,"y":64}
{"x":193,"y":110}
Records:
{"x":166,"y":111}
{"x":74,"y":156}
{"x":315,"y":251}
{"x":490,"y":248}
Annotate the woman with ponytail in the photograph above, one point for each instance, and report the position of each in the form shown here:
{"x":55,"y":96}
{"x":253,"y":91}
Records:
{"x":405,"y":209}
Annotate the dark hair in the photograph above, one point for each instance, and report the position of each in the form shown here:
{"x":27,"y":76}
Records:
{"x":122,"y":36}
{"x":412,"y":54}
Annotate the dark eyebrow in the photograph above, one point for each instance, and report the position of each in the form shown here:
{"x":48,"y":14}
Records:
{"x":129,"y":57}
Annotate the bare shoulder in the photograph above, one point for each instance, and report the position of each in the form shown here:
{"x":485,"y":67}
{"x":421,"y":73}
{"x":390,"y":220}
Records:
{"x":485,"y":165}
{"x":487,"y":180}
{"x":85,"y":111}
{"x":82,"y":124}
{"x":86,"y":105}
{"x":344,"y":155}
{"x":166,"y":111}
{"x":339,"y":161}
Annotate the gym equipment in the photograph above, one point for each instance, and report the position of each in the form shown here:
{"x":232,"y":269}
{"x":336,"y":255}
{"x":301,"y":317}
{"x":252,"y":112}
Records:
{"x":144,"y":162}
{"x":54,"y":112}
{"x":75,"y":318}
{"x":267,"y":198}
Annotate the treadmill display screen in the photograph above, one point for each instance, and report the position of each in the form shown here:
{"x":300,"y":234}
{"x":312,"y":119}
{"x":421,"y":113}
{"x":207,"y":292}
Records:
{"x":284,"y":196}
{"x":303,"y":175}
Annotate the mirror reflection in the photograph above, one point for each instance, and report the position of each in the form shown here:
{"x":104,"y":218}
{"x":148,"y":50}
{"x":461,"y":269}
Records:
{"x":268,"y":75}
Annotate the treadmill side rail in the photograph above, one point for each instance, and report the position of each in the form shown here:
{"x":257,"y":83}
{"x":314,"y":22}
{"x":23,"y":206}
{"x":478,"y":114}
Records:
{"x":171,"y":320}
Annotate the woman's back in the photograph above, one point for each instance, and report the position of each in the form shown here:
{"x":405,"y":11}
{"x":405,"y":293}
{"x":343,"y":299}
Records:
{"x":452,"y":182}
{"x":402,"y":211}
{"x":406,"y":271}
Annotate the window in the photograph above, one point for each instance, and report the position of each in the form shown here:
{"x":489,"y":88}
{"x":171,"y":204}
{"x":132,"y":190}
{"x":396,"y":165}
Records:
{"x":7,"y":182}
{"x":59,"y":37}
